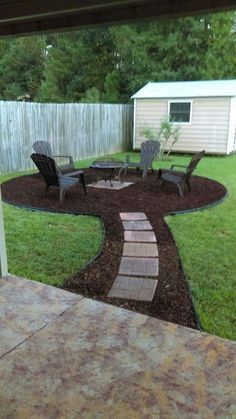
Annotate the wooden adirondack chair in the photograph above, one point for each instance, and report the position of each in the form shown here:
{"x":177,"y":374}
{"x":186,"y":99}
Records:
{"x":181,"y":178}
{"x":43,"y":147}
{"x":54,"y":177}
{"x":149,"y":150}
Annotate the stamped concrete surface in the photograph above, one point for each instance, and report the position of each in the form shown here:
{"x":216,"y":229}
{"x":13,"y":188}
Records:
{"x":26,"y":307}
{"x":94,"y":360}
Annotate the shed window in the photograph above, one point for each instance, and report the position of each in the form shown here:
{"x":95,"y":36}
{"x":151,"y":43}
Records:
{"x":180,"y":111}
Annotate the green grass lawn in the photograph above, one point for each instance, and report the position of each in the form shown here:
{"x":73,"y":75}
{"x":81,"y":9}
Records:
{"x":49,"y":247}
{"x":206,"y":241}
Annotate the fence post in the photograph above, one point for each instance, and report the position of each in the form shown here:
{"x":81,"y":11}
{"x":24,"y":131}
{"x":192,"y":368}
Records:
{"x":3,"y":253}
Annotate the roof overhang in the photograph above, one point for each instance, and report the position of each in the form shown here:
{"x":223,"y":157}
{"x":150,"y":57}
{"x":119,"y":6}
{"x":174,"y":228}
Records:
{"x":19,"y":17}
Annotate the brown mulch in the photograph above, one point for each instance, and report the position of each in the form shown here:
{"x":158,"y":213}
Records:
{"x":172,"y":301}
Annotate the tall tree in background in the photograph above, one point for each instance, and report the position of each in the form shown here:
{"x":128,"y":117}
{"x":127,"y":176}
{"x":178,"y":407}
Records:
{"x":77,"y":66}
{"x":220,"y":57}
{"x":177,"y":49}
{"x":63,"y":75}
{"x":110,"y":64}
{"x":21,"y":66}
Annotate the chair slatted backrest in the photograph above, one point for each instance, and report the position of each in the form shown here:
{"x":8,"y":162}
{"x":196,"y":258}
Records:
{"x":47,"y":167}
{"x":193,"y":163}
{"x":149,"y":150}
{"x":43,"y":148}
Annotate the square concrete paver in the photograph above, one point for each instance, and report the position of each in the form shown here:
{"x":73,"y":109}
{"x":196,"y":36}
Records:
{"x":140,"y":249}
{"x":116,"y":185}
{"x":139,"y":266}
{"x":140,"y":236}
{"x":137,"y":225}
{"x":132,"y":216}
{"x":132,"y":288}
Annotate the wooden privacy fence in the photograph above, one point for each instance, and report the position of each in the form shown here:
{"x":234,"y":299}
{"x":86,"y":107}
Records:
{"x":79,"y":130}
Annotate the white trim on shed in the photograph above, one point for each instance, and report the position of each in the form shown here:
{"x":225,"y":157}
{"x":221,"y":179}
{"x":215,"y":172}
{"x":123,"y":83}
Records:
{"x":182,"y":101}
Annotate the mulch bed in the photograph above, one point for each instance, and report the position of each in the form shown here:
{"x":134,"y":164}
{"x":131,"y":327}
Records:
{"x":172,"y":301}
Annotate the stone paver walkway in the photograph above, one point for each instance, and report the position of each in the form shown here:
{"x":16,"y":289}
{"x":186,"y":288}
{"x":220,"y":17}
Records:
{"x":134,"y":288}
{"x":137,"y":225}
{"x":140,"y":249}
{"x":139,"y":264}
{"x":140,"y":236}
{"x":71,"y":357}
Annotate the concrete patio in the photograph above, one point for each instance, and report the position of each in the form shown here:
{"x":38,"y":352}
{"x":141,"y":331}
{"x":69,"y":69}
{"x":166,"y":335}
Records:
{"x":65,"y":356}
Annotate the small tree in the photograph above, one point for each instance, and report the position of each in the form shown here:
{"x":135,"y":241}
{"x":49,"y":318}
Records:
{"x":167,"y":135}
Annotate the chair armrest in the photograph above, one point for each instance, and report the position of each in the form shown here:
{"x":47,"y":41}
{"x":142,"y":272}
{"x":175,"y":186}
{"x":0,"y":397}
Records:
{"x":67,"y":157}
{"x":178,"y":165}
{"x":75,"y":173}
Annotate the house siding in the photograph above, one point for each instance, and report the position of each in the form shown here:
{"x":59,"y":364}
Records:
{"x":209,"y":127}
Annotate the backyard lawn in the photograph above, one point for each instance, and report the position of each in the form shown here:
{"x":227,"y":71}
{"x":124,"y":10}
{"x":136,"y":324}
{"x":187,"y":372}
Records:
{"x":206,"y":241}
{"x":51,"y":247}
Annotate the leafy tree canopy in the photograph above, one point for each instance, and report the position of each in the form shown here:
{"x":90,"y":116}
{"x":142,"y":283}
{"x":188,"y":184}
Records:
{"x":110,"y":64}
{"x":21,"y":66}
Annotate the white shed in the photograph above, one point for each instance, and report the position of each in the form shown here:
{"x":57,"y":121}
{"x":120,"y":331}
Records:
{"x":204,"y":110}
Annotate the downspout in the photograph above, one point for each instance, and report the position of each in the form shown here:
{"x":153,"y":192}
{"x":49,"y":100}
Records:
{"x":134,"y":127}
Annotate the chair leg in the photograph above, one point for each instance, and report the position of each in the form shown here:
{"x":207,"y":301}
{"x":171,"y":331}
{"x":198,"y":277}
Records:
{"x":83,"y":183}
{"x":159,"y":174}
{"x":145,"y":170}
{"x":188,"y":184}
{"x":62,"y":194}
{"x":181,"y":189}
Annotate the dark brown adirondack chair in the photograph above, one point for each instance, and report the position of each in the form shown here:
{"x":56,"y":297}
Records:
{"x":181,"y":178}
{"x":54,"y":177}
{"x":44,"y":148}
{"x":149,"y":150}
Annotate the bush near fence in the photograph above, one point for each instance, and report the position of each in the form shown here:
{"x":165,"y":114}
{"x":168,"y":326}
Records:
{"x":80,"y":130}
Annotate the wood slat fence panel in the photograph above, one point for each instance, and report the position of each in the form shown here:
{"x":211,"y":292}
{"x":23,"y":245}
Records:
{"x":80,"y":130}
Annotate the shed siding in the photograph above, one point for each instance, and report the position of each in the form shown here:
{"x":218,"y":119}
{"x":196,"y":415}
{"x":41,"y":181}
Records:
{"x":208,"y":130}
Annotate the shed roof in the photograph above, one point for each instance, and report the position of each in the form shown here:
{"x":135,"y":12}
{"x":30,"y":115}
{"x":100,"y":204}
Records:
{"x":187,"y":89}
